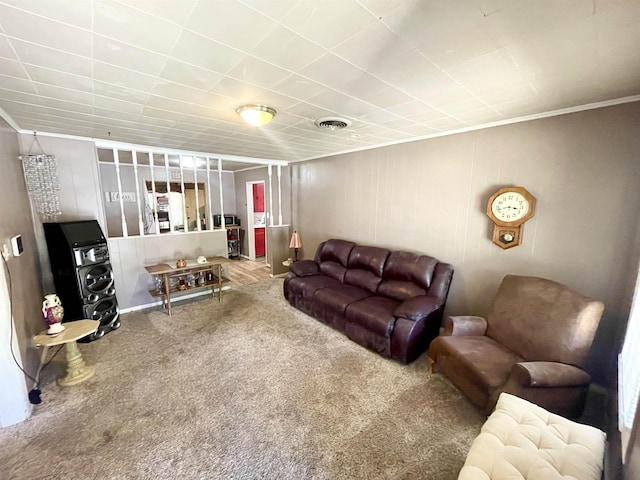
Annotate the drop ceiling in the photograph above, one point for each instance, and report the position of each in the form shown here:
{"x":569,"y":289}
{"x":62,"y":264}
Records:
{"x":171,"y":73}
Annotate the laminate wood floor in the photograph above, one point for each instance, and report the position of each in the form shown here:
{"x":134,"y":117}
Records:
{"x":244,"y":271}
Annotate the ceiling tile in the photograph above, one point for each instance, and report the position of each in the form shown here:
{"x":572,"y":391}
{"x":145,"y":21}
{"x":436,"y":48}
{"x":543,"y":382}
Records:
{"x":256,"y":72}
{"x":286,"y":49}
{"x":117,"y":53}
{"x":446,"y":123}
{"x":518,"y":20}
{"x":455,"y":36}
{"x":480,"y":116}
{"x":116,"y":91}
{"x":203,"y":52}
{"x":60,"y":79}
{"x":5,"y":49}
{"x":67,"y":106}
{"x":121,"y":107}
{"x":175,"y":106}
{"x":410,"y":108}
{"x":124,"y":24}
{"x":299,"y":87}
{"x":308,"y":111}
{"x":385,"y":98}
{"x":63,"y":93}
{"x":382,"y":8}
{"x":178,"y":92}
{"x":436,"y":89}
{"x":327,"y":23}
{"x":17,"y":84}
{"x":190,"y":75}
{"x":52,"y":59}
{"x":71,"y":12}
{"x":275,"y":100}
{"x":231,"y":22}
{"x":176,"y":11}
{"x":115,"y":75}
{"x":333,"y":72}
{"x":12,"y":68}
{"x":237,"y":91}
{"x":43,"y":31}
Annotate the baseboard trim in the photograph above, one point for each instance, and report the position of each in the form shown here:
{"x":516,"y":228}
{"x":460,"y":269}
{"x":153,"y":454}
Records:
{"x":173,"y":300}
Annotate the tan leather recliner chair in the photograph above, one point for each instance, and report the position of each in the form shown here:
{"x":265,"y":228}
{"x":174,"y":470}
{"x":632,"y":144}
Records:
{"x":532,"y":344}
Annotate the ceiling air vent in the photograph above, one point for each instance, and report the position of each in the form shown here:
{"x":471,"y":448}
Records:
{"x":332,"y":123}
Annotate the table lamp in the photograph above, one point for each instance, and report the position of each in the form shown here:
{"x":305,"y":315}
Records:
{"x":295,"y":243}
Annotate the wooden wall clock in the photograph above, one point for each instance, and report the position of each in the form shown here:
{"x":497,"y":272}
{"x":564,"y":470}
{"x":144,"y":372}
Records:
{"x":509,"y":208}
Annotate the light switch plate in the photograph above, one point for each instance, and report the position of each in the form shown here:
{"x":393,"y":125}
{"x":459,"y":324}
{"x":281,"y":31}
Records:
{"x":16,"y":245}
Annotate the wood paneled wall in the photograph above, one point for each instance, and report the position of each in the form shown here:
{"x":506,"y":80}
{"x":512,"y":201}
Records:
{"x":430,"y":196}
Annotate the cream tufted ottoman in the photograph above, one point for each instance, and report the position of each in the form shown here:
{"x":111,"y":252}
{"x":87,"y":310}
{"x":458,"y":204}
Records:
{"x":521,"y":440}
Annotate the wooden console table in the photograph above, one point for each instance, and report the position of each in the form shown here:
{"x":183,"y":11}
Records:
{"x":167,"y":272}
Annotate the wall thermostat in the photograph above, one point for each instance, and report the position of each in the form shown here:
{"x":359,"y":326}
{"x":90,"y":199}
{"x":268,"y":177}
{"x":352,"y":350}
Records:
{"x":16,"y":245}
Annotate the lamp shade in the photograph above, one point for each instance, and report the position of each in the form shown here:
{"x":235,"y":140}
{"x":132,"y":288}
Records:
{"x":295,"y":241}
{"x":256,"y":115}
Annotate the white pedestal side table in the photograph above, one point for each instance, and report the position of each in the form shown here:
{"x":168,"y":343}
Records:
{"x":77,"y":370}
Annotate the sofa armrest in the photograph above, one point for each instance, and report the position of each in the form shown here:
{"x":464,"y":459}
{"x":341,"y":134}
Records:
{"x":549,"y":374}
{"x":417,"y":308}
{"x":464,"y":325}
{"x":304,"y":268}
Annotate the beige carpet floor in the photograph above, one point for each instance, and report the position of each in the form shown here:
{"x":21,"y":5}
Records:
{"x":247,"y":389}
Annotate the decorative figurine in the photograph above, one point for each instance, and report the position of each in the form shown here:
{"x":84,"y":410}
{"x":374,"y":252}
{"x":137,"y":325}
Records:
{"x":53,"y":313}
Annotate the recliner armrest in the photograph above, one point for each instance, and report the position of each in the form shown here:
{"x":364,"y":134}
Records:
{"x":464,"y":325}
{"x":549,"y":374}
{"x":417,"y":308}
{"x":303,"y":268}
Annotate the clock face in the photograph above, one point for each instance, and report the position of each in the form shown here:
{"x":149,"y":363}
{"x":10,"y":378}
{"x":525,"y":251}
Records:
{"x":510,"y":207}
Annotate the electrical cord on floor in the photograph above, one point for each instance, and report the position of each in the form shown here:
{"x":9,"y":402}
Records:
{"x":34,"y":393}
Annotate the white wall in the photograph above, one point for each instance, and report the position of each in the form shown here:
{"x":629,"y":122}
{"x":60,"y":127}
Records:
{"x":130,"y":255}
{"x":81,"y":199}
{"x":431,"y":196}
{"x":20,"y":303}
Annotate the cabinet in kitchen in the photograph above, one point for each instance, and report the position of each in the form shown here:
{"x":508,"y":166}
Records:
{"x":260,"y":241}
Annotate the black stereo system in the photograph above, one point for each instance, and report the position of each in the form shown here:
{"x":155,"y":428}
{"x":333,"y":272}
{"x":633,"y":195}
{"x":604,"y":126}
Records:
{"x":82,"y":273}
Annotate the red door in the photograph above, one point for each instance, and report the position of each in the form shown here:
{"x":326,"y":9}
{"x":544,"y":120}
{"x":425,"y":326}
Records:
{"x":258,"y":197}
{"x":260,"y":241}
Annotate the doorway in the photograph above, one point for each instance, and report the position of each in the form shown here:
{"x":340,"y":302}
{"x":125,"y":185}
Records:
{"x":256,"y":221}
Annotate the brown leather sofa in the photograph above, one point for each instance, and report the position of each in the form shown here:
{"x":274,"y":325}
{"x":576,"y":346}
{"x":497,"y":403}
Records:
{"x":532,"y":344}
{"x":389,"y":302}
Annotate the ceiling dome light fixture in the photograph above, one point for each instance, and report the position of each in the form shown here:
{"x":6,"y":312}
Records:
{"x":256,"y":115}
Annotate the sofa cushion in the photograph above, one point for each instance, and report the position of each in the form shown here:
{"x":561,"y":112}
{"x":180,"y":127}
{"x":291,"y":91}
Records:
{"x":486,"y":363}
{"x":406,"y":275}
{"x":307,"y":286}
{"x":338,"y":298}
{"x":374,"y":314}
{"x":334,"y":251}
{"x":399,"y":290}
{"x":522,"y":441}
{"x":333,"y":269}
{"x":303,"y":268}
{"x":371,"y":259}
{"x":365,"y":266}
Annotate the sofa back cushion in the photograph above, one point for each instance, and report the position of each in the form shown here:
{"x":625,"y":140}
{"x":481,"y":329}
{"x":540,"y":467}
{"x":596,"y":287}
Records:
{"x":406,"y":275}
{"x":332,"y":256}
{"x":542,"y":320}
{"x":365,"y":267}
